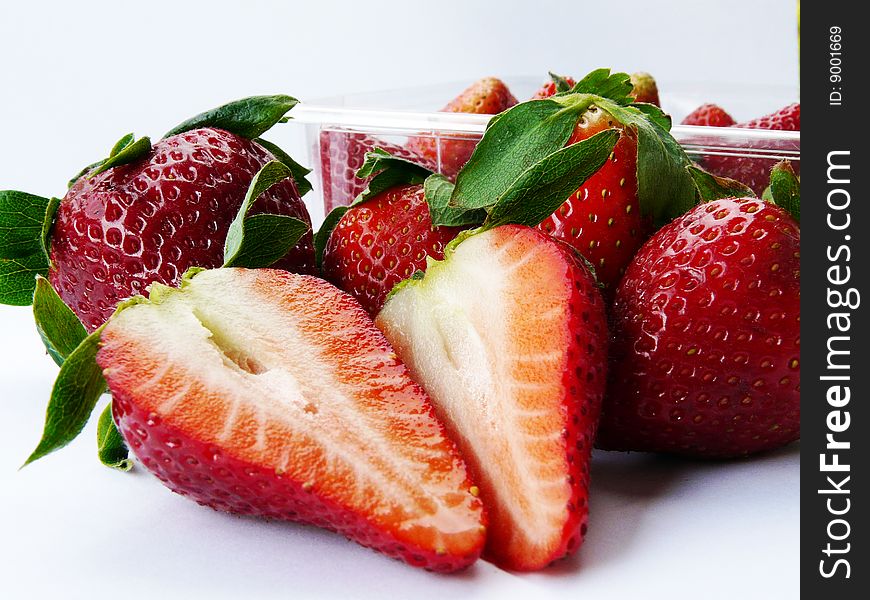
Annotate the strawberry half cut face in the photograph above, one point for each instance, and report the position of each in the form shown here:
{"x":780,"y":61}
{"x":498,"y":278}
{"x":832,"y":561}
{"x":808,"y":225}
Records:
{"x":508,"y":336}
{"x":267,"y":393}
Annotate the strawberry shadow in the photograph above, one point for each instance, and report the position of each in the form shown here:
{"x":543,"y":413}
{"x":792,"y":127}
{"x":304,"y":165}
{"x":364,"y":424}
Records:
{"x":624,"y":489}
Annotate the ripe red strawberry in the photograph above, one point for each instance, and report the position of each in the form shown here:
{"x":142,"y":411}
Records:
{"x":709,"y":115}
{"x":645,"y":88}
{"x":266,"y":393}
{"x":755,"y":172}
{"x":150,"y":220}
{"x":508,"y":336}
{"x":342,"y":154}
{"x":379,"y":243}
{"x":602,"y":219}
{"x":487,"y":96}
{"x":706,"y":338}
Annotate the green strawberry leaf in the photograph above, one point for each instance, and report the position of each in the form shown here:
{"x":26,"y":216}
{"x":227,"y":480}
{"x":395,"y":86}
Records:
{"x":387,"y":171}
{"x":542,"y":188}
{"x":299,"y":172}
{"x":260,"y":240}
{"x":520,"y":137}
{"x":22,"y":216}
{"x":112,"y":449}
{"x":127,"y":154}
{"x":656,"y":114}
{"x":711,"y":187}
{"x":616,"y":87}
{"x":18,"y":278}
{"x":75,"y":393}
{"x":785,"y":189}
{"x":121,"y":144}
{"x":322,"y":236}
{"x":437,"y":189}
{"x":249,"y":117}
{"x":60,"y":330}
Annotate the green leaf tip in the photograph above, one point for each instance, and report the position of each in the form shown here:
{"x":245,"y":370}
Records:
{"x":300,"y":173}
{"x":258,"y":241}
{"x":58,"y":327}
{"x":111,"y":448}
{"x":785,"y":189}
{"x":249,"y":117}
{"x":129,"y":153}
{"x":710,"y":187}
{"x":75,"y":393}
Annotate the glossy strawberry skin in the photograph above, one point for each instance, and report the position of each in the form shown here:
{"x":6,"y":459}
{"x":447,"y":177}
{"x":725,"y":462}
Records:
{"x":709,"y":115}
{"x":706,"y":330}
{"x":602,"y":219}
{"x":342,"y":153}
{"x":487,"y":96}
{"x":151,"y":220}
{"x":379,"y":243}
{"x":755,"y":172}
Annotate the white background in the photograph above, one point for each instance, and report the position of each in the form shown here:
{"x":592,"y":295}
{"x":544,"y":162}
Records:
{"x":76,"y":76}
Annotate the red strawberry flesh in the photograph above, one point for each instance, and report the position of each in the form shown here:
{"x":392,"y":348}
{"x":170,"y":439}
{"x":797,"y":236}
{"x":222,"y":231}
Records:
{"x":508,"y":336}
{"x":273,"y":394}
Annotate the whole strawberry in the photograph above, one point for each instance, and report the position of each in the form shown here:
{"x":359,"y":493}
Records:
{"x":148,"y":213}
{"x":754,"y":171}
{"x":385,"y":237}
{"x":644,"y":87}
{"x":487,"y":96}
{"x":709,"y":115}
{"x":342,"y":154}
{"x":706,"y":336}
{"x":604,"y":219}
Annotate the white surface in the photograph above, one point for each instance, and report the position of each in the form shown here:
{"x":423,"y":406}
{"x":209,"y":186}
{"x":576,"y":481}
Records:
{"x":76,"y":76}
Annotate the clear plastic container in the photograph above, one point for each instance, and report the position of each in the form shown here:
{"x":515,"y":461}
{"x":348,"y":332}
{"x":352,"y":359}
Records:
{"x":334,"y":129}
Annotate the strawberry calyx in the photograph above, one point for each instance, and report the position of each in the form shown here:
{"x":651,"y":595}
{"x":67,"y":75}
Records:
{"x":25,"y":225}
{"x":531,"y":131}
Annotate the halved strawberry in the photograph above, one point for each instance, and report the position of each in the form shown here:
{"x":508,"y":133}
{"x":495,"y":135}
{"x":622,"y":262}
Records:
{"x":273,"y":394}
{"x":487,"y":96}
{"x":508,"y":336}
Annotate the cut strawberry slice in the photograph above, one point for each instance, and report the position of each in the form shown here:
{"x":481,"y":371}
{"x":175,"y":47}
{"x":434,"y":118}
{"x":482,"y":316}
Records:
{"x":273,"y":394}
{"x":508,"y":336}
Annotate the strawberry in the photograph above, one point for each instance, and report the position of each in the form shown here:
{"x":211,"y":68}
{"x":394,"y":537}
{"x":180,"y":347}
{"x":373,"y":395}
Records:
{"x":603,"y":219}
{"x":508,"y":336}
{"x":342,"y":154}
{"x":709,"y":115}
{"x":148,"y":213}
{"x":644,"y":88}
{"x":753,"y":171}
{"x":487,"y":96}
{"x":272,"y":394}
{"x":706,"y":336}
{"x":379,"y":243}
